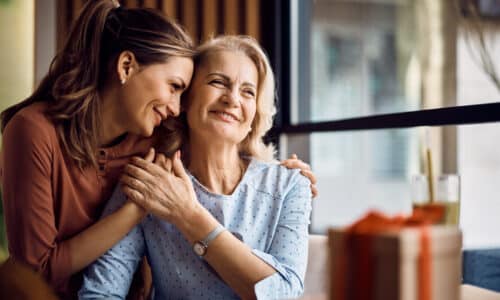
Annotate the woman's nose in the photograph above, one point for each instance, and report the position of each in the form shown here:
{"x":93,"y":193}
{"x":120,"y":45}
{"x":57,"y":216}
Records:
{"x":232,"y":97}
{"x":174,"y":106}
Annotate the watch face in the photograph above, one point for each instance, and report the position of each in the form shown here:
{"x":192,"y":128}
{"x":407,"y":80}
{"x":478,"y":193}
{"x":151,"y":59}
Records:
{"x":199,"y":249}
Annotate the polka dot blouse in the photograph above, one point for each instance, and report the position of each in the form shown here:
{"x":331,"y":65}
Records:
{"x":269,"y":211}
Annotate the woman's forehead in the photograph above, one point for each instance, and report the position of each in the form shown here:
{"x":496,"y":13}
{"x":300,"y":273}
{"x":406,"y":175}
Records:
{"x":229,"y":63}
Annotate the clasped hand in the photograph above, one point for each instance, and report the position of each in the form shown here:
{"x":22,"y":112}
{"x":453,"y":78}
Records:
{"x":160,"y":186}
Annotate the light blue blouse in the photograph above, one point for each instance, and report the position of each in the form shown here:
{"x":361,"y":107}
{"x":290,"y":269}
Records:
{"x":269,"y":211}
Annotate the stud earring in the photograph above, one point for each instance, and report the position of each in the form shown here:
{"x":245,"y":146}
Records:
{"x":122,"y":81}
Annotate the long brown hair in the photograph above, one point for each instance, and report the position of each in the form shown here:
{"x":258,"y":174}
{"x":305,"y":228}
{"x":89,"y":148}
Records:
{"x":71,"y":87}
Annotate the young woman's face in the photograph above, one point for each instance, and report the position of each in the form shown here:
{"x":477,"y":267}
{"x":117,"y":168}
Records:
{"x":153,"y":93}
{"x":222,"y":100}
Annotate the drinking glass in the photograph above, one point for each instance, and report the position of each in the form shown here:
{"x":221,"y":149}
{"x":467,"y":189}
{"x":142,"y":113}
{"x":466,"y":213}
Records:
{"x":447,"y":196}
{"x":448,"y":193}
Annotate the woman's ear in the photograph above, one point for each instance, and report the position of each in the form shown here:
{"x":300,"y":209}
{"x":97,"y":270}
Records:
{"x":126,"y":66}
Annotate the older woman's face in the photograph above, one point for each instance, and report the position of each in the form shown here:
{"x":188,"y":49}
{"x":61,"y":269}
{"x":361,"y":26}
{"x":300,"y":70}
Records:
{"x":222,"y":99}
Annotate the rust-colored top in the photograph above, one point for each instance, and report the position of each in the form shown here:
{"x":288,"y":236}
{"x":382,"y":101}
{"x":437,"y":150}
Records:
{"x":47,"y":199}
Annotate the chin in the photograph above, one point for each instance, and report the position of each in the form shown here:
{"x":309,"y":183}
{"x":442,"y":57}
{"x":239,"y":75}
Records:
{"x":147,"y":132}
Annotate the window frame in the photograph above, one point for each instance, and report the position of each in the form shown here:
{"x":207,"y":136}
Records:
{"x":278,"y":41}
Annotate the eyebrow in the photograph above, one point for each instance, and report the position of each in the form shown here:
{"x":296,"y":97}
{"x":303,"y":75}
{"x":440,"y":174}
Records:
{"x":225,"y":77}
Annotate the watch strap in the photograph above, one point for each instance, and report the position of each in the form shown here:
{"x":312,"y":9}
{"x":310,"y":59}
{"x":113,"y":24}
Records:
{"x":213,"y":234}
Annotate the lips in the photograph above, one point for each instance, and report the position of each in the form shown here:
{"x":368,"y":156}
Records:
{"x":162,"y":115}
{"x":225,"y":115}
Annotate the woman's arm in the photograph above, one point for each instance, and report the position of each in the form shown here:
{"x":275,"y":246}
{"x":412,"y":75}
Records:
{"x":250,"y":273}
{"x":110,"y":276}
{"x":29,"y":208}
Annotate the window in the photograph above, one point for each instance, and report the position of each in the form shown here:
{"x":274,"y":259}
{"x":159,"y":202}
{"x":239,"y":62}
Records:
{"x":361,"y":81}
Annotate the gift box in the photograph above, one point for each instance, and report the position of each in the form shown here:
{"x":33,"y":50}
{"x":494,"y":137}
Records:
{"x":381,"y":258}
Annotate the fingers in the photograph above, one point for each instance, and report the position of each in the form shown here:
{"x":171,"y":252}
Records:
{"x":314,"y":190}
{"x":293,"y":156}
{"x":150,"y":155}
{"x":134,"y":195}
{"x":310,"y":175}
{"x":162,"y":161}
{"x":149,"y":167}
{"x":133,"y":182}
{"x":296,"y":164}
{"x":146,"y":204}
{"x":178,"y":167}
{"x":138,"y":173}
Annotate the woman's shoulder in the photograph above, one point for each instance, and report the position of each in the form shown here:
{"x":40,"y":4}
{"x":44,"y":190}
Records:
{"x":273,"y":173}
{"x":32,"y":117}
{"x":30,"y":124}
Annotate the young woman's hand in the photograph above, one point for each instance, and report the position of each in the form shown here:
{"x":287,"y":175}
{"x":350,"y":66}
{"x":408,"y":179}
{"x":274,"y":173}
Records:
{"x":294,"y":163}
{"x":162,"y":188}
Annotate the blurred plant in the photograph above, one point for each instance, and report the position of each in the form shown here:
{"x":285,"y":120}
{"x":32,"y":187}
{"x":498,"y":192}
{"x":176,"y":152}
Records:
{"x":475,"y":33}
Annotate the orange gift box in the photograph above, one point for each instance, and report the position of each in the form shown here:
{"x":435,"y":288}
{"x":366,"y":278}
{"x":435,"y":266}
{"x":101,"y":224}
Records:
{"x":399,"y":258}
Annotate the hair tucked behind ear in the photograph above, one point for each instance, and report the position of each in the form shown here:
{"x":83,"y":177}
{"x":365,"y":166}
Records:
{"x":71,"y":87}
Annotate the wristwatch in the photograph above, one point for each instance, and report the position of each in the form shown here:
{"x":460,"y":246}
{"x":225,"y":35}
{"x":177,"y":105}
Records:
{"x":200,"y":247}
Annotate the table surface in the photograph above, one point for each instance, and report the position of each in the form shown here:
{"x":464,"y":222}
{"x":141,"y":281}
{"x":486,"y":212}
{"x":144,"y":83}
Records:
{"x":468,"y":292}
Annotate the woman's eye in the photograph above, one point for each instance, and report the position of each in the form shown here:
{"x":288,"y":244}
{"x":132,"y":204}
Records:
{"x":176,"y":86}
{"x":249,"y":93}
{"x":217,"y":83}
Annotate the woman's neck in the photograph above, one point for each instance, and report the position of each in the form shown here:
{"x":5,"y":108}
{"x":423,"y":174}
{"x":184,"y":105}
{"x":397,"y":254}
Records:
{"x":217,"y":166}
{"x":110,"y":132}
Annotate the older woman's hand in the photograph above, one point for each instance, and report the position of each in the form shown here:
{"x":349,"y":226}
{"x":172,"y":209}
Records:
{"x":162,"y":188}
{"x":294,"y":163}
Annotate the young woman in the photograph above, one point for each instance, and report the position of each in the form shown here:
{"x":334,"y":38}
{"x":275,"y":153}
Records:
{"x":120,"y":74}
{"x":235,"y":225}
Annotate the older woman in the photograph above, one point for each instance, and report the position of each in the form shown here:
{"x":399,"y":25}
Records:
{"x":234,"y":224}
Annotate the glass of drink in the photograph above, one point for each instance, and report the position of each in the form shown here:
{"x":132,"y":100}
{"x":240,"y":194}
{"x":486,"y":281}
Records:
{"x":446,"y":205}
{"x":422,"y":206}
{"x":419,"y":190}
{"x":448,"y":194}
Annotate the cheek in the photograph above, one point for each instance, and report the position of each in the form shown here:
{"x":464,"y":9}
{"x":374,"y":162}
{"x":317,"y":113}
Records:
{"x":251,"y":110}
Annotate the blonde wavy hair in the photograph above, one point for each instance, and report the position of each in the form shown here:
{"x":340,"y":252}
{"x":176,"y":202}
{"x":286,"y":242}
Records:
{"x":175,"y":134}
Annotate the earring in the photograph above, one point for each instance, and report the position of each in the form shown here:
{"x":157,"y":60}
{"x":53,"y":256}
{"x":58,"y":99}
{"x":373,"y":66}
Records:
{"x":122,"y":81}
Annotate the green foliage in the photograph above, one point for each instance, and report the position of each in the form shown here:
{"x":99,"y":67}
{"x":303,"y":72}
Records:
{"x":5,"y":2}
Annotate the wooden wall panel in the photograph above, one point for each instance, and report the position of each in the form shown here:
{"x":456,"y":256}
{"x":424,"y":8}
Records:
{"x":77,"y":7}
{"x":150,"y":3}
{"x":131,"y":3}
{"x":189,"y":17}
{"x":170,"y":8}
{"x":209,"y":19}
{"x":201,"y":18}
{"x":231,"y":14}
{"x":63,"y":22}
{"x":252,"y":18}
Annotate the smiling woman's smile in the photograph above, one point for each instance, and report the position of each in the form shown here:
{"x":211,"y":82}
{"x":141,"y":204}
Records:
{"x":225,"y":116}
